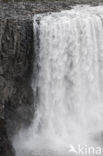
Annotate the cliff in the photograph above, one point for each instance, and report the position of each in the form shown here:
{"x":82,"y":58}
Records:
{"x":16,"y":57}
{"x":16,"y":62}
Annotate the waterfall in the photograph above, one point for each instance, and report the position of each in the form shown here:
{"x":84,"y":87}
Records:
{"x":69,"y":83}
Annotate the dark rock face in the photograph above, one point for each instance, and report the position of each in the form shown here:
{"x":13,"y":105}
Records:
{"x":16,"y":62}
{"x":16,"y":52}
{"x":16,"y":57}
{"x":5,"y":145}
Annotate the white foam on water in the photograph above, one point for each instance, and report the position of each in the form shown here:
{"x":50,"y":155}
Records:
{"x":69,"y":45}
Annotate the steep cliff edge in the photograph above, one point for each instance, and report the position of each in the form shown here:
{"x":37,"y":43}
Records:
{"x":16,"y":55}
{"x":16,"y":59}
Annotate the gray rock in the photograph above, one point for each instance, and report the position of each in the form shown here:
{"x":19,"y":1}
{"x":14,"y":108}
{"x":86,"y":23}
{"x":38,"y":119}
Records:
{"x":16,"y":57}
{"x":5,"y":145}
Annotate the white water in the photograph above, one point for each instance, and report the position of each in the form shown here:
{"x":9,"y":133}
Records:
{"x":69,"y":110}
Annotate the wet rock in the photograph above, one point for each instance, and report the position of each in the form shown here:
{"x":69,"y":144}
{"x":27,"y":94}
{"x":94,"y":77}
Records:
{"x":16,"y":57}
{"x":5,"y":145}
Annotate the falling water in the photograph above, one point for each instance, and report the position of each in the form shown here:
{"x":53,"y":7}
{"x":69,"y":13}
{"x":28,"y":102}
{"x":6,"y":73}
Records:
{"x":69,"y":83}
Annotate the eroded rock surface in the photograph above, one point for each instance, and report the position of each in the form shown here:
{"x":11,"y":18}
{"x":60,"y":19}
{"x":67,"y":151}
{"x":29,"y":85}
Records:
{"x":16,"y":57}
{"x":5,"y":145}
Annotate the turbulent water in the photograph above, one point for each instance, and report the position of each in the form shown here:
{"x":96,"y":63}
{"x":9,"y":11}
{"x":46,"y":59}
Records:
{"x":68,"y":85}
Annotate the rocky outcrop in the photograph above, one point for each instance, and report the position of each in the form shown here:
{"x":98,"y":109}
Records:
{"x":58,"y":1}
{"x":5,"y":145}
{"x":16,"y":52}
{"x":16,"y":57}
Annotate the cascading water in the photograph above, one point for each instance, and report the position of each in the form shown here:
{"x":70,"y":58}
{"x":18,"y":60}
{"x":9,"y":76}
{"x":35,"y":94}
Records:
{"x":69,"y":84}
